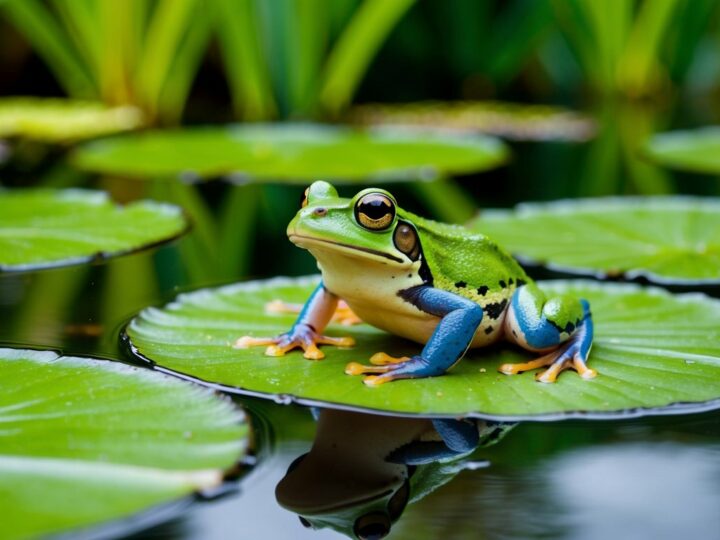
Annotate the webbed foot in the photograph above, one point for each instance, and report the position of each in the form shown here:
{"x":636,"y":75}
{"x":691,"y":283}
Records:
{"x":388,"y":368}
{"x":301,"y":336}
{"x":567,"y":356}
{"x":343,"y":314}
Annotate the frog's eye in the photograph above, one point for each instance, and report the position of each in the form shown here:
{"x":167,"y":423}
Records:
{"x":304,"y":201}
{"x":375,"y":211}
{"x":372,"y":525}
{"x":406,"y":240}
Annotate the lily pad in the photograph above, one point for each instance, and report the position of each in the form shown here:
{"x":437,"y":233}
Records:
{"x":84,"y":441}
{"x":290,"y":153}
{"x":668,"y":240}
{"x":696,"y":150}
{"x":514,"y":121}
{"x":63,"y":120}
{"x":656,"y":353}
{"x":43,"y":228}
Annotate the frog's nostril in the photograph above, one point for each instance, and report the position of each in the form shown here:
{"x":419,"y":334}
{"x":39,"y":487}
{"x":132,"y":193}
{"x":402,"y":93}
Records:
{"x":320,"y":212}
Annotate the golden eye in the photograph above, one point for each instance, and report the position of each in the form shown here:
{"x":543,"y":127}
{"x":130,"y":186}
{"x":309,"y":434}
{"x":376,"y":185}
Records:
{"x":375,"y":211}
{"x":304,"y":201}
{"x":406,"y":240}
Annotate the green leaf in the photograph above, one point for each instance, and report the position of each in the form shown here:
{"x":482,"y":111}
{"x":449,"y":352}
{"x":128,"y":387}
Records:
{"x":656,"y":353}
{"x":297,"y":153}
{"x":43,"y":228}
{"x":512,"y":121}
{"x":78,"y":447}
{"x":63,"y":120}
{"x":696,"y":150}
{"x":669,"y":240}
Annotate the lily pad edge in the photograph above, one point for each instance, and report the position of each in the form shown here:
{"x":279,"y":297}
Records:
{"x":676,"y":408}
{"x":103,"y":256}
{"x":637,"y":276}
{"x":650,"y":152}
{"x":500,"y":150}
{"x":164,"y":511}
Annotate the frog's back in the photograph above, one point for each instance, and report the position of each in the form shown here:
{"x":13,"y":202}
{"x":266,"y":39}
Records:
{"x":473,"y":266}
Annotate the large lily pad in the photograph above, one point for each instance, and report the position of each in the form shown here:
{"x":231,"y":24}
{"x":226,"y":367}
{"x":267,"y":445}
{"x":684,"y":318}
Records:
{"x":656,"y":353}
{"x":84,"y":441}
{"x":63,"y":120}
{"x":696,"y":150}
{"x":42,"y":228}
{"x":668,"y":240}
{"x":290,"y":153}
{"x":514,"y":121}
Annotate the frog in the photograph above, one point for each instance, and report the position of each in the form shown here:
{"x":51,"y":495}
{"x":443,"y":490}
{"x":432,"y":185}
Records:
{"x":441,"y":285}
{"x":364,"y":469}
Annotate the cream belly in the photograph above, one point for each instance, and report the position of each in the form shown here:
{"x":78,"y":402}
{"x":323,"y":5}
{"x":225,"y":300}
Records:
{"x":370,"y":289}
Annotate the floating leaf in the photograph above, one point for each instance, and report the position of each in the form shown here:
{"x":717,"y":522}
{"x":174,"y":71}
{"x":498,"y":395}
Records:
{"x":696,"y":150}
{"x":513,"y":121}
{"x":42,"y":228}
{"x":290,"y":153}
{"x":83,"y":441}
{"x":655,"y":352}
{"x":669,"y":240}
{"x":63,"y":120}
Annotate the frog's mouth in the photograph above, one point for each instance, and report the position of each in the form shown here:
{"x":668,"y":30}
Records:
{"x":302,"y":241}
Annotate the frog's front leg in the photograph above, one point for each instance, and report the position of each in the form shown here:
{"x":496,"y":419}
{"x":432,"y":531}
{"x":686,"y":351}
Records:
{"x":560,"y":326}
{"x":306,"y":331}
{"x":343,"y":314}
{"x":459,"y":319}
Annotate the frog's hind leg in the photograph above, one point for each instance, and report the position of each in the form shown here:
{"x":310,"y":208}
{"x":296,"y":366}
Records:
{"x":459,"y":321}
{"x":560,"y":326}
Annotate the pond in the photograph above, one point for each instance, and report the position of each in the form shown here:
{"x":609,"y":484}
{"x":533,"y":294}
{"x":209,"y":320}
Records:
{"x":652,"y":477}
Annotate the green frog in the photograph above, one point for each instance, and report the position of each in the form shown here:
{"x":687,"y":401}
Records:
{"x":440,"y":285}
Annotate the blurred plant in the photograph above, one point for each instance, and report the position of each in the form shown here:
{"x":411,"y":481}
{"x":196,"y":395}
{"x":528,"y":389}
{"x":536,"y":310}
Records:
{"x":119,"y":51}
{"x":633,"y":47}
{"x":287,"y":57}
{"x":300,"y":57}
{"x":491,"y":42}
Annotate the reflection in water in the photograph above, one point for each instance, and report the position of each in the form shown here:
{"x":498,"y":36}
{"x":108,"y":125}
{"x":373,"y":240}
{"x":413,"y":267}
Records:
{"x":618,"y":490}
{"x":639,"y":491}
{"x":362,"y":469}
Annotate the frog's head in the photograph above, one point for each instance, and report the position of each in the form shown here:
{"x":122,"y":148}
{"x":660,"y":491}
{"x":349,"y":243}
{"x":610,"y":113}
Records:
{"x":367,"y":226}
{"x":325,"y":495}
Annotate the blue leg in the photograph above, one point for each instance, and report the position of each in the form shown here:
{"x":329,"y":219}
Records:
{"x":306,"y":332}
{"x":460,"y":318}
{"x":458,"y":437}
{"x":561,"y":327}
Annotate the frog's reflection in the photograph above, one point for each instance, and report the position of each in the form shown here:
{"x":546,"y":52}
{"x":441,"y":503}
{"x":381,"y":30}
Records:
{"x":363,"y":469}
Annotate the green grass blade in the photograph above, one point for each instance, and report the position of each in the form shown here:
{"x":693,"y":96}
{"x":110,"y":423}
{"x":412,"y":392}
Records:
{"x":237,"y":217}
{"x":80,"y":20}
{"x":353,"y":52}
{"x":611,"y":24}
{"x":246,"y":70}
{"x":446,"y":200}
{"x":514,"y":37}
{"x":184,"y":68}
{"x":639,"y":69}
{"x":308,"y":39}
{"x":168,"y":25}
{"x":52,"y":44}
{"x":119,"y":48}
